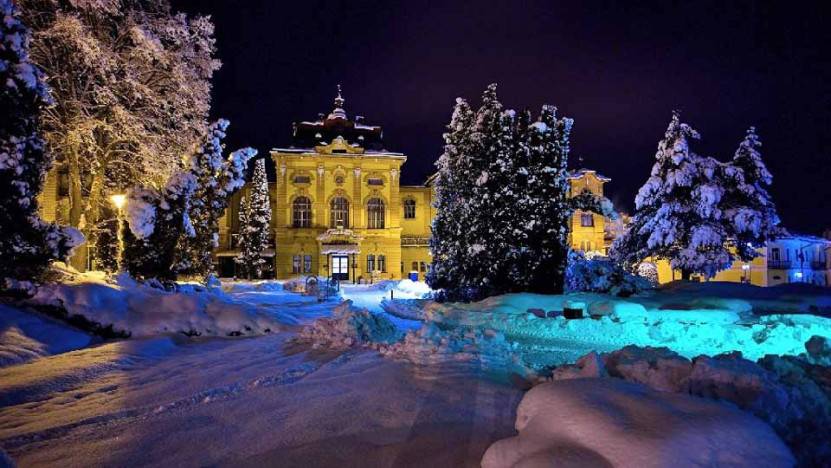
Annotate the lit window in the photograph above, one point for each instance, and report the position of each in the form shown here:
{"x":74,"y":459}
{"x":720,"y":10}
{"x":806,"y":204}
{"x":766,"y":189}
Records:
{"x":339,"y":213}
{"x":409,"y":209}
{"x":586,"y":220}
{"x":415,"y":266}
{"x":375,"y":213}
{"x":301,"y":212}
{"x":423,"y":267}
{"x":370,"y":263}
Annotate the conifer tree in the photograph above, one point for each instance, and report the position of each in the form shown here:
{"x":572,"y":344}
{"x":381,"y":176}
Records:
{"x":216,"y":179}
{"x":27,"y":243}
{"x":449,"y":241}
{"x":679,"y":213}
{"x":748,"y":204}
{"x":255,"y":218}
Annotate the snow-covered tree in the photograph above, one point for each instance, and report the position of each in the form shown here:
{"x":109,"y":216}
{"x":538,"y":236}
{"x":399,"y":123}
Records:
{"x":157,"y":221}
{"x":449,"y":241}
{"x":27,"y":243}
{"x":502,"y":202}
{"x":131,"y":81}
{"x":749,"y":206}
{"x":680,"y":211}
{"x":254,"y":221}
{"x":216,"y":179}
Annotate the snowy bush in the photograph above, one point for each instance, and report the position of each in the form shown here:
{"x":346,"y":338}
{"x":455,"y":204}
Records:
{"x":601,"y":275}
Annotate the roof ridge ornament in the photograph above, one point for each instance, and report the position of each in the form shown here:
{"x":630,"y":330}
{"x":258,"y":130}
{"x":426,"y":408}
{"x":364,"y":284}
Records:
{"x":338,"y":112}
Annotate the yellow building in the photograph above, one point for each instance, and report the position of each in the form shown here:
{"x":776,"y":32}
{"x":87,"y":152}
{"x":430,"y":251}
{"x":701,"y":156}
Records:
{"x":588,"y":231}
{"x":338,"y":208}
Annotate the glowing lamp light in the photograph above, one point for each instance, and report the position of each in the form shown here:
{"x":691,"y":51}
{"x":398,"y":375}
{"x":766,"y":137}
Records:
{"x":798,"y":275}
{"x":745,"y":267}
{"x":118,"y":200}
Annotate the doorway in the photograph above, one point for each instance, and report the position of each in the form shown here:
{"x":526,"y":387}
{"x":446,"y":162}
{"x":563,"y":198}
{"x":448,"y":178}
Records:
{"x":340,"y":267}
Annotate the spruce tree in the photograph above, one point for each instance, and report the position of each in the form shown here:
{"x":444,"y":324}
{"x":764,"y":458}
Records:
{"x":547,"y":217}
{"x":678,"y":211}
{"x":255,"y":220}
{"x":449,"y":240}
{"x":27,"y":243}
{"x":749,"y":206}
{"x":216,"y":179}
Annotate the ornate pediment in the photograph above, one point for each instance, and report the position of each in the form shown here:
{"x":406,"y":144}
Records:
{"x":339,"y":146}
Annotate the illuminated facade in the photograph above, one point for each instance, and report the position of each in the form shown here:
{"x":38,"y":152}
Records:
{"x":338,"y":208}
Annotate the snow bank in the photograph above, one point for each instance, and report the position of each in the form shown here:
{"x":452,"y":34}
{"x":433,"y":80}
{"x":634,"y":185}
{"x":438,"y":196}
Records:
{"x":349,"y":326}
{"x":610,"y":422}
{"x":136,"y":309}
{"x":790,"y":393}
{"x":25,"y":336}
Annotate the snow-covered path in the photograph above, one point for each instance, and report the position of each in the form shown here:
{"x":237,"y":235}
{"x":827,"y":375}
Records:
{"x":251,"y":402}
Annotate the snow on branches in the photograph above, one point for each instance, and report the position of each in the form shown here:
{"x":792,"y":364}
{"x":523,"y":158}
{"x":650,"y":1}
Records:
{"x":502,"y":202}
{"x":254,"y":220}
{"x":697,"y":212}
{"x":27,"y":243}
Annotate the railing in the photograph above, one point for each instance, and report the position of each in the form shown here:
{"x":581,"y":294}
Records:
{"x":779,"y":264}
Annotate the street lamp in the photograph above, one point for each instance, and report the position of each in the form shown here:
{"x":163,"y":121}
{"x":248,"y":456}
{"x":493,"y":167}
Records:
{"x":119,"y":200}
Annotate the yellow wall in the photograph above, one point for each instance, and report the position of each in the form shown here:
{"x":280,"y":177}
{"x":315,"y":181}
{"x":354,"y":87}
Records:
{"x":589,"y":239}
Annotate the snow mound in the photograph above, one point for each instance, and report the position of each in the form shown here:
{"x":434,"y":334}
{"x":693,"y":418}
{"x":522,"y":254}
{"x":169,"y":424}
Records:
{"x":135,"y":309}
{"x":26,"y":336}
{"x":409,"y":289}
{"x":789,"y":393}
{"x":488,"y":349}
{"x":610,"y":422}
{"x":349,"y":326}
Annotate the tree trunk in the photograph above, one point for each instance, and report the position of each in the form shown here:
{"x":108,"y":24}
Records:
{"x":76,"y":196}
{"x":686,"y":274}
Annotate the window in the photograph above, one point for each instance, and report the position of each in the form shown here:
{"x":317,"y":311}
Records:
{"x":409,"y":208}
{"x":377,"y":181}
{"x":301,"y":212}
{"x":586,"y":220}
{"x":307,"y":264}
{"x":774,"y":254}
{"x":370,"y":263}
{"x":63,"y":182}
{"x":375,"y":213}
{"x":382,"y":263}
{"x":295,"y":264}
{"x":415,"y":266}
{"x":339,"y":213}
{"x":423,"y":267}
{"x":339,"y":180}
{"x":302,"y":179}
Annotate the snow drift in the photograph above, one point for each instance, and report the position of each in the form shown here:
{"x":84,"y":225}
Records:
{"x":610,"y":422}
{"x":125,"y":307}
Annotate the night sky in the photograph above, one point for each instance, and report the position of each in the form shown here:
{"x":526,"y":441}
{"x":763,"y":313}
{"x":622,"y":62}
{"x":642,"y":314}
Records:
{"x":618,"y":70}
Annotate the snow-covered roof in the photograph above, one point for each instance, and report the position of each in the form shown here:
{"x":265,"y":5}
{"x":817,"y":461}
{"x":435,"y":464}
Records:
{"x":311,"y":133}
{"x":576,"y":174}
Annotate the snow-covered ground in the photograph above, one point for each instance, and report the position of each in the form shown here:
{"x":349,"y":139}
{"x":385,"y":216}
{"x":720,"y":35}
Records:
{"x":334,"y":383}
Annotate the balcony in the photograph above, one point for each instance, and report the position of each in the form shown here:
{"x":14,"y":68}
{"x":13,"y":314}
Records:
{"x":779,"y":264}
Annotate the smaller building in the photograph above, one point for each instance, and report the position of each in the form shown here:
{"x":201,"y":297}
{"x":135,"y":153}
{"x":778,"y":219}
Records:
{"x":588,"y":230}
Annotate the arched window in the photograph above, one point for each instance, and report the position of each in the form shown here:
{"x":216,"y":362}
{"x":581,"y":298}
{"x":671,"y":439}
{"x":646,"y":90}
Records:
{"x":409,"y":208}
{"x":375,"y":213}
{"x":339,"y":213}
{"x":301,"y":213}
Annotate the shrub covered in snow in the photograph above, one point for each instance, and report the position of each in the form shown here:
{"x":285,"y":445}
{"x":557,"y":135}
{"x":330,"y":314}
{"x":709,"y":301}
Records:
{"x":601,"y":275}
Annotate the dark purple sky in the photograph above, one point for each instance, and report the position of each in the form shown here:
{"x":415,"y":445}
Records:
{"x":617,"y":69}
